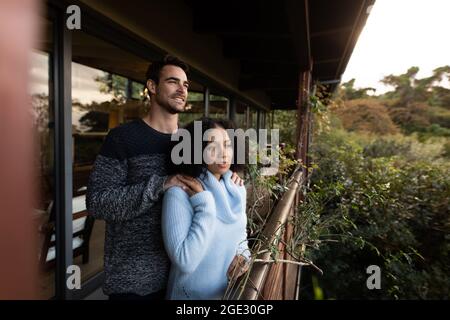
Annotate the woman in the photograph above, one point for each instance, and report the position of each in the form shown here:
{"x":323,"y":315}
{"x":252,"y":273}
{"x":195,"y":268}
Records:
{"x":204,"y":223}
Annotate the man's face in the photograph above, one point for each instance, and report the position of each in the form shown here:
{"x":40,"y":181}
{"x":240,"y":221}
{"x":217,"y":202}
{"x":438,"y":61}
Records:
{"x":172,"y":91}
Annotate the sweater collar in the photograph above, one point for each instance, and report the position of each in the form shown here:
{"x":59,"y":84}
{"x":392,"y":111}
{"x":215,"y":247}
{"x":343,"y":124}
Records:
{"x":226,"y":195}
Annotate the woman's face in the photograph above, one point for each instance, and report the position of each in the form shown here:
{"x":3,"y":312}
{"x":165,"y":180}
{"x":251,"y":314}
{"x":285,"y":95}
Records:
{"x":219,"y":152}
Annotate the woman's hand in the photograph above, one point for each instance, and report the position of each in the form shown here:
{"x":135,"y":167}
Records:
{"x":191,"y":185}
{"x":236,"y":179}
{"x":173,"y":181}
{"x":238,"y":267}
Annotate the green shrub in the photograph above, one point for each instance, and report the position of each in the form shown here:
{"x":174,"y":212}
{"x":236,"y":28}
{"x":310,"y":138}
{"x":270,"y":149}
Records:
{"x":385,"y":210}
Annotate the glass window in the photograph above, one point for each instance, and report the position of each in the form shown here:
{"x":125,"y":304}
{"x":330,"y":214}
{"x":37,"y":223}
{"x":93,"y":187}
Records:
{"x":137,"y":90}
{"x":240,"y":119}
{"x":262,"y":119}
{"x":252,"y":118}
{"x":218,"y":106}
{"x":107,"y":91}
{"x":118,"y":87}
{"x":269,"y":117}
{"x":195,"y":108}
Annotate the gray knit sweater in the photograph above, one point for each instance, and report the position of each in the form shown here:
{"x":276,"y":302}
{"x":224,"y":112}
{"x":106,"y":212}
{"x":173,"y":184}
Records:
{"x":125,"y":189}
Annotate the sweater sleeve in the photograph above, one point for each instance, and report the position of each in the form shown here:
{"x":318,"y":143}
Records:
{"x":188,"y":225}
{"x":109,"y":197}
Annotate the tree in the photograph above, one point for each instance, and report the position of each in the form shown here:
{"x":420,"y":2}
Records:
{"x":407,"y":88}
{"x":286,"y":122}
{"x":115,"y":85}
{"x":347,"y":91}
{"x":368,"y":115}
{"x":440,"y":96}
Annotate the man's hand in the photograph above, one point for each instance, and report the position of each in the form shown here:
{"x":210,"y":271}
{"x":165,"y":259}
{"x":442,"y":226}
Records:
{"x":236,"y":179}
{"x":191,"y":185}
{"x":238,"y":267}
{"x":173,"y":181}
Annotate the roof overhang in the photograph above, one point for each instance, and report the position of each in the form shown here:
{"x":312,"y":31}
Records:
{"x":252,"y":49}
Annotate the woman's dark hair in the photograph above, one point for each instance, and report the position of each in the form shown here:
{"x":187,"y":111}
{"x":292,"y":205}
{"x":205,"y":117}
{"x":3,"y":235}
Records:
{"x":197,"y":170}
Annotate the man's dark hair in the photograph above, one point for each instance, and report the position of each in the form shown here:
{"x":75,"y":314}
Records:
{"x":154,"y":70}
{"x":198,"y":170}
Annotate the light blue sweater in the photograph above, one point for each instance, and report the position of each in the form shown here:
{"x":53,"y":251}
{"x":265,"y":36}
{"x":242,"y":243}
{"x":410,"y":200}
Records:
{"x":202,"y":234}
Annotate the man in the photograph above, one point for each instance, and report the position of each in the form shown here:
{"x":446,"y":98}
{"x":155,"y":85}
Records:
{"x":126,"y":185}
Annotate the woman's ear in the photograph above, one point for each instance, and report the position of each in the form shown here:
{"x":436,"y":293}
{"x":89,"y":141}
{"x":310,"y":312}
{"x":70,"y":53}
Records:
{"x":151,"y":86}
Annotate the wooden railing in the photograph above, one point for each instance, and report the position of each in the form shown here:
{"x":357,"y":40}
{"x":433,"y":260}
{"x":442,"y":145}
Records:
{"x":276,"y":280}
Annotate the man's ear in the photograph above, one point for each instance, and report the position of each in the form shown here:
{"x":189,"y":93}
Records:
{"x":151,"y":86}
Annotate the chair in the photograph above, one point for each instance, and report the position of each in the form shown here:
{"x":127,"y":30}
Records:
{"x":82,"y":224}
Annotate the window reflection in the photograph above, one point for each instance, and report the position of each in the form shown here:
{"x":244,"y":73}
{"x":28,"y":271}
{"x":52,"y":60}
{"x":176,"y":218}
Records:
{"x":241,"y":115}
{"x":195,"y":108}
{"x":107,"y":91}
{"x":218,"y":106}
{"x":252,"y":118}
{"x":262,"y":120}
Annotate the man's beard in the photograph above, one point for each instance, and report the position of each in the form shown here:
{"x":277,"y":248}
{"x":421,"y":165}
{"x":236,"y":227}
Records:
{"x":168,"y":107}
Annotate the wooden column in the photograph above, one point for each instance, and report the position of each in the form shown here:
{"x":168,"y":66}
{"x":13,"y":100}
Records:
{"x":232,"y":109}
{"x":302,"y":115}
{"x":206,"y":101}
{"x":310,"y":120}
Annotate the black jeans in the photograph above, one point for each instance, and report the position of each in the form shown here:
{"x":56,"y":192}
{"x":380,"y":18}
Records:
{"x":159,"y":295}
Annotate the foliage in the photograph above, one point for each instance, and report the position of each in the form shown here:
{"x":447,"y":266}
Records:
{"x":384,"y":210}
{"x":414,"y":105}
{"x":411,"y":117}
{"x":115,"y":85}
{"x":378,"y":193}
{"x":407,"y":88}
{"x":286,"y":122}
{"x":366,"y":115}
{"x":264,"y":191}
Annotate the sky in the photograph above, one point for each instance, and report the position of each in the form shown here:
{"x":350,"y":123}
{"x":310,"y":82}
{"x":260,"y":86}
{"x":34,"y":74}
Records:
{"x":400,"y":34}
